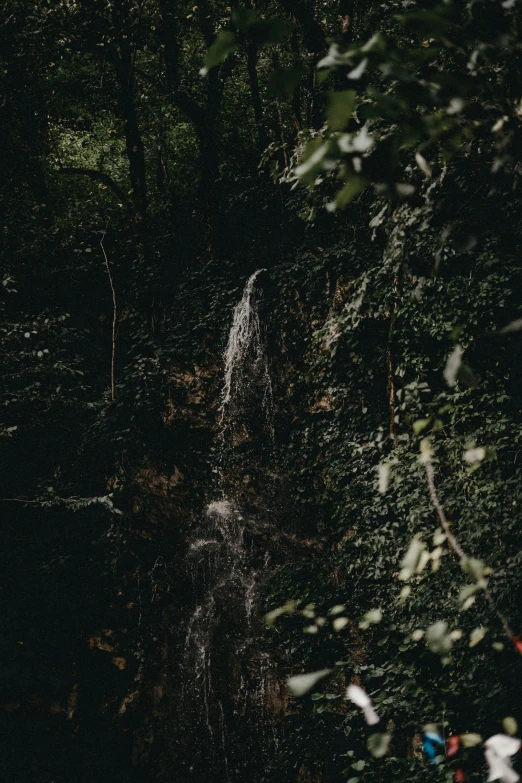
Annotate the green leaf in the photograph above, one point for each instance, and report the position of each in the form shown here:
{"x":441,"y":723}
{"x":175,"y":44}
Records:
{"x":378,"y":744}
{"x":475,"y":456}
{"x":510,"y":725}
{"x":259,"y":30}
{"x":411,"y":559}
{"x":359,"y":70}
{"x":340,"y":109}
{"x":453,"y":365}
{"x":477,"y":635}
{"x":314,"y":161}
{"x":353,"y":187}
{"x":383,"y":471}
{"x":288,"y":608}
{"x":284,"y":81}
{"x":339,"y":623}
{"x":302,"y":683}
{"x":467,"y":596}
{"x":426,"y":450}
{"x":470,"y":740}
{"x":370,"y":618}
{"x":337,"y":609}
{"x":322,"y":76}
{"x":473,"y":567}
{"x":217,"y":53}
{"x":438,"y":638}
{"x":420,"y":425}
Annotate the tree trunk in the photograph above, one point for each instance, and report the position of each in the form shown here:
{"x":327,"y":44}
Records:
{"x":122,"y":62}
{"x":205,"y":117}
{"x":120,"y":55}
{"x":252,"y":54}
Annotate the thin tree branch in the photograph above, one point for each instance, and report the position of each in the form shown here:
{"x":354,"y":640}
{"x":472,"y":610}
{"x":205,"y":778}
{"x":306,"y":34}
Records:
{"x":114,"y":320}
{"x":430,"y":475}
{"x":391,"y":385}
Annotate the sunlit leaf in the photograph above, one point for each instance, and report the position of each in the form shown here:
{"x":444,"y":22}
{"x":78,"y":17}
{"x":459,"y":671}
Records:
{"x":438,"y":638}
{"x":513,"y":326}
{"x":314,"y":161}
{"x":453,"y":365}
{"x":473,"y":567}
{"x":510,"y":725}
{"x":302,"y":683}
{"x":420,"y":425}
{"x":474,"y":456}
{"x":412,"y":557}
{"x":470,"y":740}
{"x":348,"y":192}
{"x":288,"y":608}
{"x":360,"y":698}
{"x":477,"y":635}
{"x":217,"y":53}
{"x":378,"y":744}
{"x":357,"y":72}
{"x":383,"y":471}
{"x":339,"y":623}
{"x":423,"y":164}
{"x":467,"y":596}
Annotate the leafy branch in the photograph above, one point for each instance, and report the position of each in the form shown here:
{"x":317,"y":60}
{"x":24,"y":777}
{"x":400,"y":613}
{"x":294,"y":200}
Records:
{"x":471,"y":566}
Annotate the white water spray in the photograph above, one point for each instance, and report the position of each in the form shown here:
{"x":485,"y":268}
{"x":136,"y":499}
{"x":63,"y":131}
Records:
{"x":246,"y":364}
{"x":222,"y":676}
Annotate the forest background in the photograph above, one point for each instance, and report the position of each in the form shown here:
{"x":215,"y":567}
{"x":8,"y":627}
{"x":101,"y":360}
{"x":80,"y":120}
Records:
{"x":154,"y":155}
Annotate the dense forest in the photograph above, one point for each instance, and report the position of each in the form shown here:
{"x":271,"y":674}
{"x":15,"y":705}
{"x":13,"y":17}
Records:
{"x":261,"y":330}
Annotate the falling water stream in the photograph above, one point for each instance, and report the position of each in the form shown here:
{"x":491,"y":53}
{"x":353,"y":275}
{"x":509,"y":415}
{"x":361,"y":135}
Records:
{"x":225,"y":669}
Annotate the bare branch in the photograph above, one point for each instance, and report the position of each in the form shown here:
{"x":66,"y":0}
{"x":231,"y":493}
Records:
{"x":114,"y":320}
{"x":430,"y":475}
{"x":391,"y":385}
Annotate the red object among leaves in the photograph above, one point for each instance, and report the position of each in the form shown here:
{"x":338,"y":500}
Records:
{"x":460,"y":777}
{"x":453,"y":745}
{"x":517,"y":642}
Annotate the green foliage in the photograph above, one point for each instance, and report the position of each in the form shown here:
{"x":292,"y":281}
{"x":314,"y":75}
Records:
{"x":378,"y":368}
{"x":225,"y":43}
{"x":392,"y":317}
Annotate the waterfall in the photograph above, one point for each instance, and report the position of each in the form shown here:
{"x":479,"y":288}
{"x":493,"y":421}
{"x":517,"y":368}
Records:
{"x":247,"y":388}
{"x":225,"y":669}
{"x":244,"y":339}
